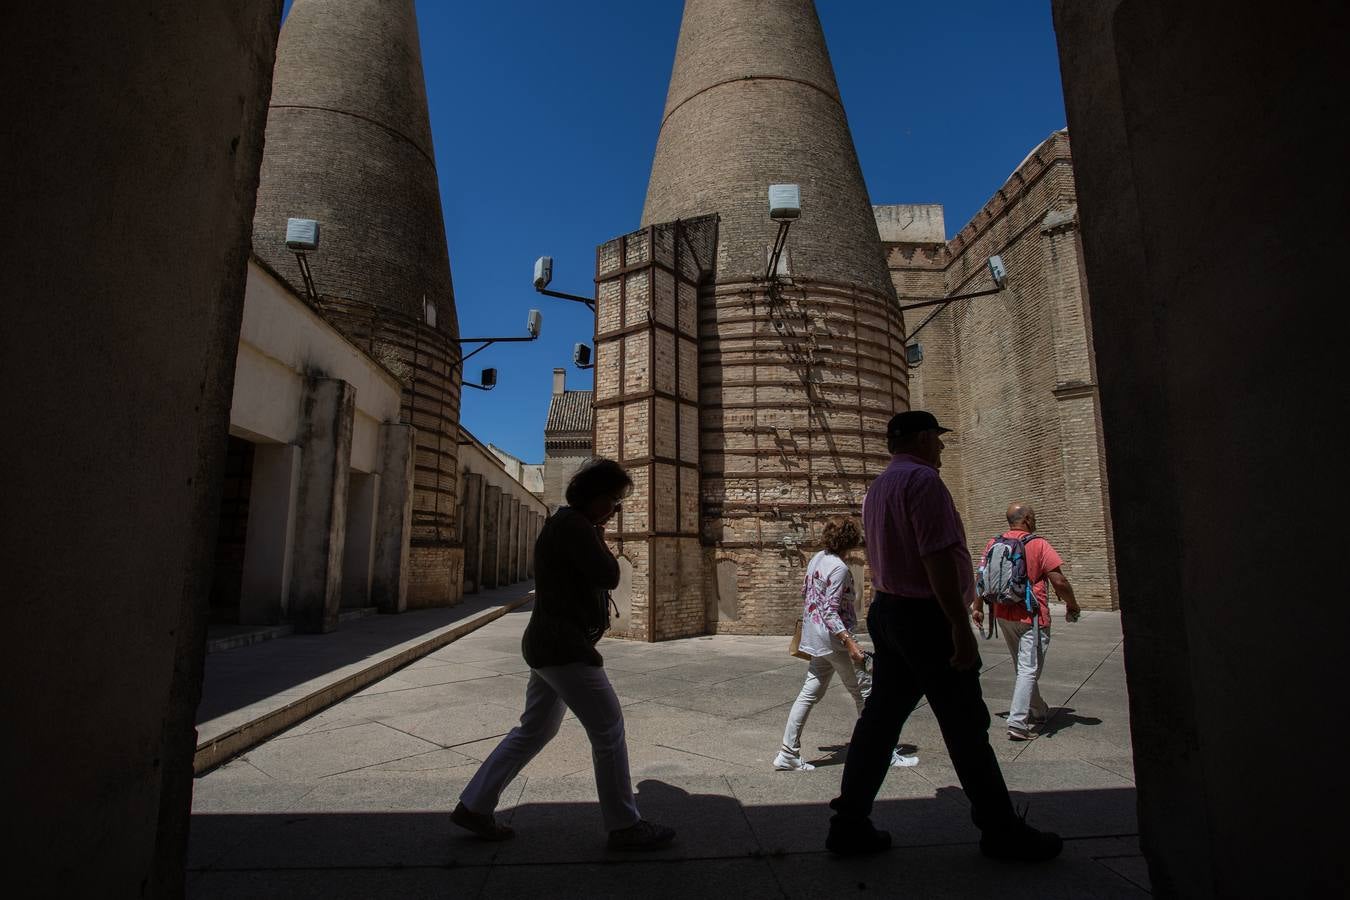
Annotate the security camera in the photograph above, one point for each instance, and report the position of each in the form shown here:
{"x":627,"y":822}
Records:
{"x":785,"y":201}
{"x":488,"y":378}
{"x":914,"y":353}
{"x":302,"y":234}
{"x":997,"y":271}
{"x":543,"y":272}
{"x":581,"y":355}
{"x":534,"y":323}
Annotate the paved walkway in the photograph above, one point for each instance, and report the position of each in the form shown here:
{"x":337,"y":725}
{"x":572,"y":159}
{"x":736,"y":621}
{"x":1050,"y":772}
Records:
{"x":355,"y":801}
{"x":252,"y":692}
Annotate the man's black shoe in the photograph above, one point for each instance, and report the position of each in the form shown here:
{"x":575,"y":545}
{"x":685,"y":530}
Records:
{"x":1021,"y":843}
{"x":856,"y":838}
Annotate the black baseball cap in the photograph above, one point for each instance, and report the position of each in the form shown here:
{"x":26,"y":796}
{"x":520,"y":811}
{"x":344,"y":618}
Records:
{"x":912,"y":422}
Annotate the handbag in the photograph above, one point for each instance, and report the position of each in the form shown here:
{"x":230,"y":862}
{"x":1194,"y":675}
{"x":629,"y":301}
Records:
{"x":795,"y":645}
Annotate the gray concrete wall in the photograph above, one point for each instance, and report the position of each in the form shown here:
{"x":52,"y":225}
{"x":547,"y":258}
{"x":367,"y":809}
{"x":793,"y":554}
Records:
{"x":1209,"y":184}
{"x":266,"y":584}
{"x":358,"y":553}
{"x":126,"y":243}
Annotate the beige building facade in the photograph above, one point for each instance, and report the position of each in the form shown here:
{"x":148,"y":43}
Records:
{"x":500,"y":517}
{"x":568,"y":438}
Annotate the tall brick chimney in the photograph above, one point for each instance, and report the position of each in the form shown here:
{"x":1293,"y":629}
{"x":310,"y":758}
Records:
{"x":559,"y":381}
{"x":349,"y":144}
{"x":798,"y":376}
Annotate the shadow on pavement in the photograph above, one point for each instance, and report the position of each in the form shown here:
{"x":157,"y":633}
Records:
{"x":238,"y":678}
{"x":724,"y":848}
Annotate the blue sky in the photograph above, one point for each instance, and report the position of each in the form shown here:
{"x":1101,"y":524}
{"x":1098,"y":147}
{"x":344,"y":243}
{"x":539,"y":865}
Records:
{"x":545,"y":117}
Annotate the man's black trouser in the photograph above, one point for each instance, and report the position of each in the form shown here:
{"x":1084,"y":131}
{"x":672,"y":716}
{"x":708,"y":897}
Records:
{"x":913,"y":646}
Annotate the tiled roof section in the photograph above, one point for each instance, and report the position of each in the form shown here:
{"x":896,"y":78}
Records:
{"x":570,"y":411}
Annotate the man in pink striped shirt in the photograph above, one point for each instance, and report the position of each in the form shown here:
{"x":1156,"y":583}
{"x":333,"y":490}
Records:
{"x":923,"y":579}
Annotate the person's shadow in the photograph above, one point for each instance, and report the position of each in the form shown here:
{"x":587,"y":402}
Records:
{"x":835,"y":754}
{"x":1060,"y":718}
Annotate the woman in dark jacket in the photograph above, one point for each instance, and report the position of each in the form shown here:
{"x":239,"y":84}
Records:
{"x":574,"y":572}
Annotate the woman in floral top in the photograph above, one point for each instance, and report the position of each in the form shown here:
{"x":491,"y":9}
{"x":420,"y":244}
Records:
{"x":828,"y":620}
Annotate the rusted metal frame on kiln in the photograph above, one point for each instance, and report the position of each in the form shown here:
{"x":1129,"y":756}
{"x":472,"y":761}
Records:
{"x":639,"y":395}
{"x":651,"y":427}
{"x":857,"y":359}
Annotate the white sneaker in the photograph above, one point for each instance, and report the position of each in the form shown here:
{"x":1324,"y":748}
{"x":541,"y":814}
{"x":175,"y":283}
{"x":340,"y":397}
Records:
{"x":900,"y":761}
{"x":784,"y":763}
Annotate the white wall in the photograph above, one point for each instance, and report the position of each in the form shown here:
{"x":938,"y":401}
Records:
{"x":281,"y":339}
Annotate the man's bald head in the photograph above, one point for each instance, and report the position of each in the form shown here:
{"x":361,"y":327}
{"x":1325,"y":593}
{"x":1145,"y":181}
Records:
{"x":1021,"y":514}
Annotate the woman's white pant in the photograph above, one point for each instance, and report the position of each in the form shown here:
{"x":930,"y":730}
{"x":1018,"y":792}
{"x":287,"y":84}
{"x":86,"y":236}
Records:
{"x":550,"y":693}
{"x":819,"y":672}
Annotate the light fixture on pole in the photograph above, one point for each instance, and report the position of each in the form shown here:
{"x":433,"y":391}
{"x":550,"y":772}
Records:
{"x":543,"y":274}
{"x":581,"y":355}
{"x":785,"y":207}
{"x":487,"y":380}
{"x":533,"y":325}
{"x":997,"y":272}
{"x":303,"y":235}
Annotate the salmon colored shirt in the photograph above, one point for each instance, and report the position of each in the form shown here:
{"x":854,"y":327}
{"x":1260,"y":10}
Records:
{"x":1042,"y":559}
{"x":908,"y":514}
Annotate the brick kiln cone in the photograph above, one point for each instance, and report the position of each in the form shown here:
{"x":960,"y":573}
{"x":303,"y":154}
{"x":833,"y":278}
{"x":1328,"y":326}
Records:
{"x":349,"y":144}
{"x":752,"y":102}
{"x":795,"y":379}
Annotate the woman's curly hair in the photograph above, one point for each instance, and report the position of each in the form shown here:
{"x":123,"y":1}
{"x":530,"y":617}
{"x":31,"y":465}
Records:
{"x":841,"y":534}
{"x":597,"y":478}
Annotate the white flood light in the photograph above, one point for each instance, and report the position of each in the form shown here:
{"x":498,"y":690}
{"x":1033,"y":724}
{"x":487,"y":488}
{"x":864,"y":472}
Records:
{"x":581,"y":355}
{"x":302,"y":234}
{"x":785,"y":201}
{"x":998,"y":271}
{"x":534,"y":323}
{"x":543,"y":272}
{"x":914,"y":353}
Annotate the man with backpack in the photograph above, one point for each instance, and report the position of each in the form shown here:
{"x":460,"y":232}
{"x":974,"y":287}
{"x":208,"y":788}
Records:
{"x":1016,"y":567}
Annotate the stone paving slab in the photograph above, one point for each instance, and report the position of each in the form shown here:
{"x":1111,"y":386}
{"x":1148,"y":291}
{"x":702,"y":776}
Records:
{"x":365,"y":788}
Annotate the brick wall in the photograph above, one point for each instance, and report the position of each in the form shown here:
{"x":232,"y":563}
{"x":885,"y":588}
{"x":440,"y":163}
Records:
{"x":1013,"y":373}
{"x":434,"y":574}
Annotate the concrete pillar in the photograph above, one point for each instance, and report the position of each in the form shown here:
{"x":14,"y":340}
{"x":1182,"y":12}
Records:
{"x":492,"y":535}
{"x":266,"y":584}
{"x":471,"y":527}
{"x":393,"y":519}
{"x":126,"y":248}
{"x":1210,"y":230}
{"x":504,"y":542}
{"x":358,"y":555}
{"x":515,"y":539}
{"x":321,"y":513}
{"x":529,"y":543}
